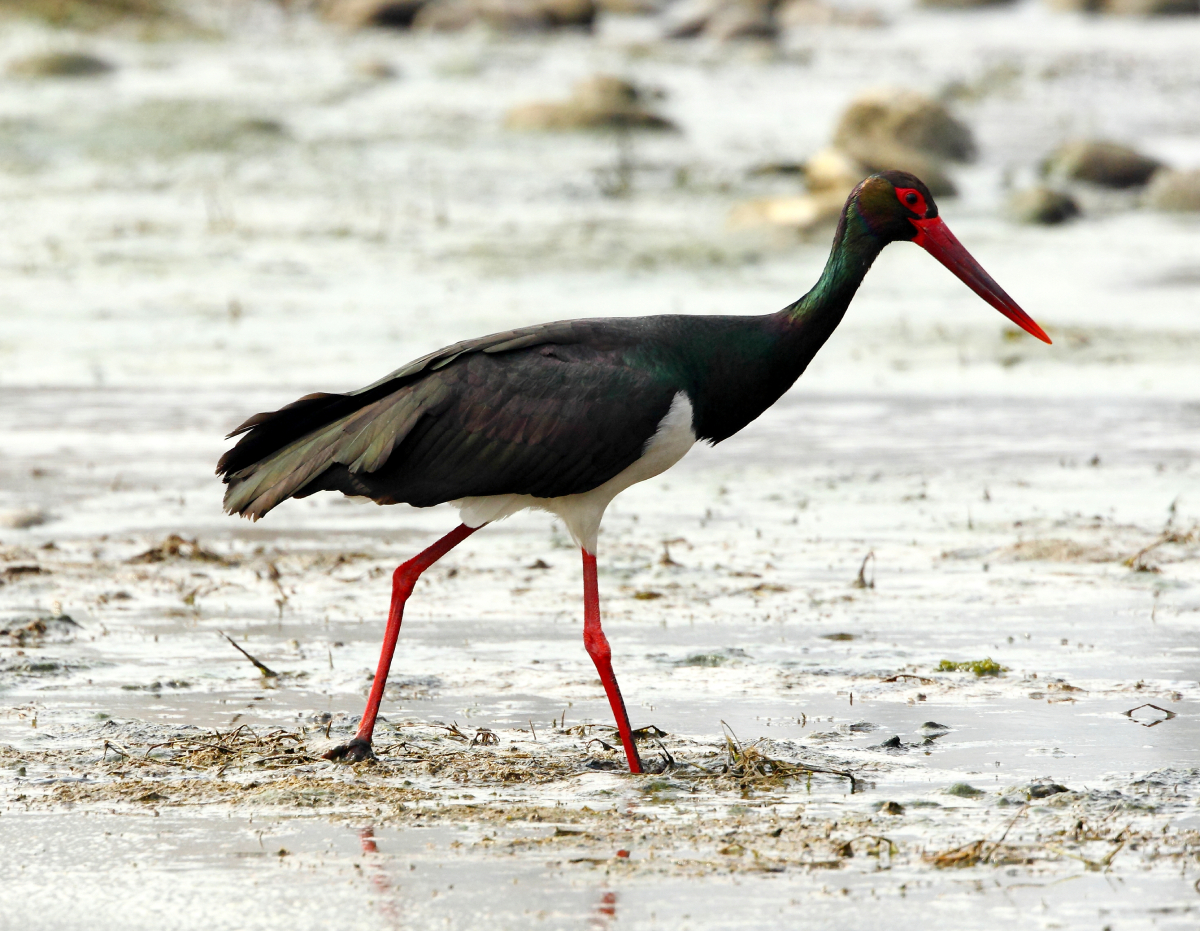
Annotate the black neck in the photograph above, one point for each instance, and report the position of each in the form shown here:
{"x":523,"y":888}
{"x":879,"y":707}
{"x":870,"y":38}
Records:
{"x":817,"y":314}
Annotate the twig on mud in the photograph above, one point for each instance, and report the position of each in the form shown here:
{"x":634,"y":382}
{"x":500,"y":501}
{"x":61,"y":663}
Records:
{"x":453,"y":731}
{"x":1097,"y":866}
{"x":749,"y":764}
{"x":973,"y":853}
{"x":267,"y":672}
{"x":1137,"y":562}
{"x":1169,"y":714}
{"x":908,"y":675}
{"x":274,"y":576}
{"x":1024,"y":808}
{"x":893,"y":850}
{"x":290,"y":757}
{"x":668,"y":760}
{"x":862,"y":581}
{"x":176,"y":547}
{"x":665,"y":559}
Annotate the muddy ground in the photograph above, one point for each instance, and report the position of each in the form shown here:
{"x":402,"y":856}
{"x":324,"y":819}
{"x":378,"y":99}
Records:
{"x":918,"y":646}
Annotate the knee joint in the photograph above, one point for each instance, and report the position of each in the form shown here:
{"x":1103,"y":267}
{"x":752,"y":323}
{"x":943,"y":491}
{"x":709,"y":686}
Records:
{"x":406,"y":574}
{"x":596,"y":644}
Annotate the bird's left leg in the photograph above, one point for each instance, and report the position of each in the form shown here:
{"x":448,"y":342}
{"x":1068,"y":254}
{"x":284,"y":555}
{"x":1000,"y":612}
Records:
{"x":597,"y":647}
{"x":404,"y":579}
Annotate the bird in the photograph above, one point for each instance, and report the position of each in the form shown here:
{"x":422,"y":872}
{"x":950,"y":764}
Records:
{"x":564,"y":416}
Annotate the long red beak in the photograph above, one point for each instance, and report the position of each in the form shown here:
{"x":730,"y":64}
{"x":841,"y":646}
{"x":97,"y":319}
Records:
{"x":935,"y":238}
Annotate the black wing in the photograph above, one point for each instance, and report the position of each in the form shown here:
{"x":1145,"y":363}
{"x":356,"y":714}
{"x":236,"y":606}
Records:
{"x":546,"y":411}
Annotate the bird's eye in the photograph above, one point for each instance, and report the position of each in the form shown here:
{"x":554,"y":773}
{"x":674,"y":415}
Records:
{"x":913,"y":200}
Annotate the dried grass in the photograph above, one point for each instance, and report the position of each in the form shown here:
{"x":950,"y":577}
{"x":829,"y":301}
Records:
{"x":422,"y":780}
{"x":481,"y":764}
{"x":175,"y":547}
{"x":1057,"y":550}
{"x":747,"y":767}
{"x":981,"y":851}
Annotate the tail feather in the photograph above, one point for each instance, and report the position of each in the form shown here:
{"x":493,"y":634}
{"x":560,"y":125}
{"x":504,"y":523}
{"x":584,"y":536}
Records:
{"x":283,"y":451}
{"x":272,"y":430}
{"x":302,"y":447}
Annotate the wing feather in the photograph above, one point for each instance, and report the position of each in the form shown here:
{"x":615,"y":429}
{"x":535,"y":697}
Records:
{"x":543,"y":411}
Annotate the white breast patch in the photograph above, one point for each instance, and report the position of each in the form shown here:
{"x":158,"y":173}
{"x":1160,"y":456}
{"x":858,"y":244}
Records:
{"x":582,"y":513}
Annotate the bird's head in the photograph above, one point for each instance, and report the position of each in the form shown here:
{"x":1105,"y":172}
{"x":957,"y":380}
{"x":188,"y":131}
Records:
{"x":896,"y":206}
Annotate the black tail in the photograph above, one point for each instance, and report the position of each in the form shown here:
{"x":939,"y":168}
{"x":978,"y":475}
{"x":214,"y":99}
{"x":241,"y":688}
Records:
{"x":270,"y":431}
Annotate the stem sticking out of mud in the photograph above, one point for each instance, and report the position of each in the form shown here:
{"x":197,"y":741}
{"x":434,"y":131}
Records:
{"x":861,"y":581}
{"x":267,"y":672}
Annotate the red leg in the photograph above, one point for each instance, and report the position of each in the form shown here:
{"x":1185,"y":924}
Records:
{"x":403,"y":580}
{"x":598,"y":649}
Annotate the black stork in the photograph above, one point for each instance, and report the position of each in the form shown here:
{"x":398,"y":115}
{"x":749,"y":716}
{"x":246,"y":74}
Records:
{"x":564,"y":416}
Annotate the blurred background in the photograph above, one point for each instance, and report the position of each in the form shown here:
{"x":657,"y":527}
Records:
{"x":303,"y":195}
{"x":211,"y":207}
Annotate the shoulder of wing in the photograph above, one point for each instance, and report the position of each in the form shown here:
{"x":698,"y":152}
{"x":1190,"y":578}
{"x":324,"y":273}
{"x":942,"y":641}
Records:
{"x":562,"y":332}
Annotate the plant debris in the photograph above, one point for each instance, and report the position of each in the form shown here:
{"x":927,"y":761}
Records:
{"x":266,"y":671}
{"x":1152,"y":721}
{"x":981,"y":667}
{"x":176,"y":547}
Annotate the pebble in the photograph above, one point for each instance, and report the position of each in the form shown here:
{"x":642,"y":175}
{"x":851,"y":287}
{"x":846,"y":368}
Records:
{"x":1042,"y":205}
{"x":599,"y":102}
{"x":23,"y":518}
{"x":1100,"y":162}
{"x":60,"y":65}
{"x":1177,"y":191}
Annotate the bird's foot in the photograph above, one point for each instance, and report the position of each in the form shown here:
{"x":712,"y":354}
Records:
{"x":657,"y":767}
{"x":355,"y":751}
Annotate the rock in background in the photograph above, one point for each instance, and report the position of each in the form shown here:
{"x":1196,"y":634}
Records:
{"x":599,"y":102}
{"x":1177,"y":191}
{"x":1042,"y":205}
{"x":805,"y":14}
{"x":901,"y":129}
{"x":964,"y":4}
{"x":1102,"y":163}
{"x":97,"y":14}
{"x":724,"y":20}
{"x":452,"y":15}
{"x":1129,"y":7}
{"x":879,"y":130}
{"x":59,"y":65}
{"x":361,"y":14}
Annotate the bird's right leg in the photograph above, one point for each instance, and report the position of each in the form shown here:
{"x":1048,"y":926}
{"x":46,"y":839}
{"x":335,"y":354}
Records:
{"x":601,"y":654}
{"x":403,"y":580}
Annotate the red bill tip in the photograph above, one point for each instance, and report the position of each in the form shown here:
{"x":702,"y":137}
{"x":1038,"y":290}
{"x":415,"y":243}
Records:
{"x":935,"y":238}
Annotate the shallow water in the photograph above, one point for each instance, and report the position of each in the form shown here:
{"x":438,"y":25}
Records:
{"x":156,"y":295}
{"x":490,"y":643}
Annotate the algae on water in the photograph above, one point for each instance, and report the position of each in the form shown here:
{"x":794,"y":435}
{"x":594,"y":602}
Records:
{"x":981,"y":667}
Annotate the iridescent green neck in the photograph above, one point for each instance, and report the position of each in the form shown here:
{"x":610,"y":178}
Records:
{"x":855,"y":247}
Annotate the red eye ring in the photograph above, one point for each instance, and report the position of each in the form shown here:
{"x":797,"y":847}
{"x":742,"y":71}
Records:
{"x":913,"y":200}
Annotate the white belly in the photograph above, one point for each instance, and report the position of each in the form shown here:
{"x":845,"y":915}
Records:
{"x":582,"y":513}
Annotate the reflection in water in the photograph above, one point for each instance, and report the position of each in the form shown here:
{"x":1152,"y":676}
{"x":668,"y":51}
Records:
{"x":605,"y":912}
{"x":387,"y":900}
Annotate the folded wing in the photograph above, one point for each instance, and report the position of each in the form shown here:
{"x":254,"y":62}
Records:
{"x":548,"y":411}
